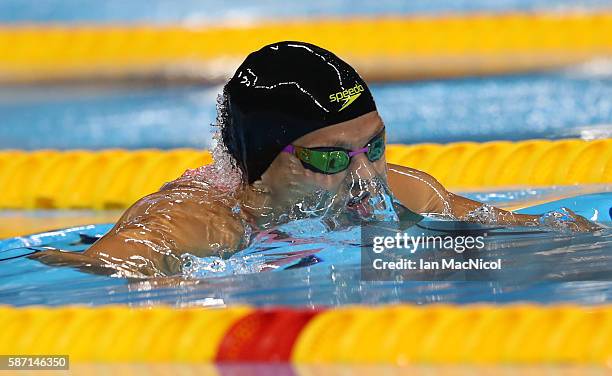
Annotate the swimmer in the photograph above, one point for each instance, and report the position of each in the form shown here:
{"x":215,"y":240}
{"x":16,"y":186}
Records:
{"x":302,"y":131}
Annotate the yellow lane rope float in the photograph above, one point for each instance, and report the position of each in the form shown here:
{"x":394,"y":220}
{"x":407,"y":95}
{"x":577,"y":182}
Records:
{"x":398,"y":335}
{"x":383,"y":48}
{"x":115,"y":179}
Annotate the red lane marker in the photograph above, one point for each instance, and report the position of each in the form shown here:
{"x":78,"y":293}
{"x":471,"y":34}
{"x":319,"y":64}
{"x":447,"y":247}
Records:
{"x":263,"y":336}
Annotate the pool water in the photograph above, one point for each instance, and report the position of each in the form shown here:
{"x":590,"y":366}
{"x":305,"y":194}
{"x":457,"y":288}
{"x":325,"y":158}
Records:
{"x":573,"y":103}
{"x":305,"y":264}
{"x":218,"y":11}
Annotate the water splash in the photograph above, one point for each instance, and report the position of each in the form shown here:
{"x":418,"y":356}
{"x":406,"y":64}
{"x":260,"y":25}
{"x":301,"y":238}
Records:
{"x":377,"y":205}
{"x":324,"y":221}
{"x":560,"y":219}
{"x":223,"y":174}
{"x":485,"y":214}
{"x":373,"y":201}
{"x":212,"y":266}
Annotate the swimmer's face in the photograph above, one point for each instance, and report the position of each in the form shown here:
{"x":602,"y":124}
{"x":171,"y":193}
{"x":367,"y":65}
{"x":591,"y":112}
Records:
{"x":287,"y":179}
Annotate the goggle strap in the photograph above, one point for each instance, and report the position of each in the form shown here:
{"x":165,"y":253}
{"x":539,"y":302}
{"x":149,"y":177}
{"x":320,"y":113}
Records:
{"x":358,"y":151}
{"x":289,"y":149}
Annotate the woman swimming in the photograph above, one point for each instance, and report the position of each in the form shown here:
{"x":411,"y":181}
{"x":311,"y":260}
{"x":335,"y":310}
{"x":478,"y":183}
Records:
{"x":304,"y":136}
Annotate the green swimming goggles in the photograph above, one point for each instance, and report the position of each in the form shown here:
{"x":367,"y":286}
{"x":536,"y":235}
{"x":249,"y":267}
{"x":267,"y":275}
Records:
{"x":331,"y":160}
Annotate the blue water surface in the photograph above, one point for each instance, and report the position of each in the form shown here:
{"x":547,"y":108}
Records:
{"x":302,"y":264}
{"x":240,"y":11}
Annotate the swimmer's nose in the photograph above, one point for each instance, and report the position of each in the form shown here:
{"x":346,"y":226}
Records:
{"x":361,"y":168}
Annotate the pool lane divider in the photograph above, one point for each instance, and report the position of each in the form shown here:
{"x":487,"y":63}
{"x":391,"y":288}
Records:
{"x":386,"y":48}
{"x":115,"y":179}
{"x":263,"y":336}
{"x":406,"y":334}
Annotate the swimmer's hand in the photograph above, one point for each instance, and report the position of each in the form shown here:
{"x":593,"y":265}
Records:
{"x":565,"y":218}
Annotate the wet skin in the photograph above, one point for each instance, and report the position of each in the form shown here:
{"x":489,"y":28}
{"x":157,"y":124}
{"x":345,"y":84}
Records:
{"x":189,"y":216}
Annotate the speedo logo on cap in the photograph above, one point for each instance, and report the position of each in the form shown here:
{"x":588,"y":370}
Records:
{"x":348,"y":96}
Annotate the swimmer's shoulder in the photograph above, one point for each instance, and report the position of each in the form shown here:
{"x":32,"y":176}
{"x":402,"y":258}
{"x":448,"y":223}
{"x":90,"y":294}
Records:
{"x":398,"y":170}
{"x":183,"y":216}
{"x":188,"y":189}
{"x":184,"y":202}
{"x":417,"y":190}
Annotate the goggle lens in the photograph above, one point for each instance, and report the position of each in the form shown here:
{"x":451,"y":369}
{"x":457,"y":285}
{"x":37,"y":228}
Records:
{"x":376,"y":148}
{"x":334,"y":161}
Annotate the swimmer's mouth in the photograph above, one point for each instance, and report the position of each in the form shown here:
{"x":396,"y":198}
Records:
{"x":357,"y":199}
{"x":357,"y":204}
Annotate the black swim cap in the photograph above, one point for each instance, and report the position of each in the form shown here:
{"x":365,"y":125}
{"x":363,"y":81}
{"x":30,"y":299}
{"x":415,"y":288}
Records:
{"x":282,"y":92}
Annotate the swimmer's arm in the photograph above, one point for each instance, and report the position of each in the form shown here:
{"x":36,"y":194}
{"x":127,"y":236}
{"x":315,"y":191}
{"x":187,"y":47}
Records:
{"x":470,"y":210}
{"x":121,"y":252}
{"x":474,"y":211}
{"x":142,"y":244}
{"x":153,"y":244}
{"x":56,"y":257}
{"x":129,"y":252}
{"x":422,"y":193}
